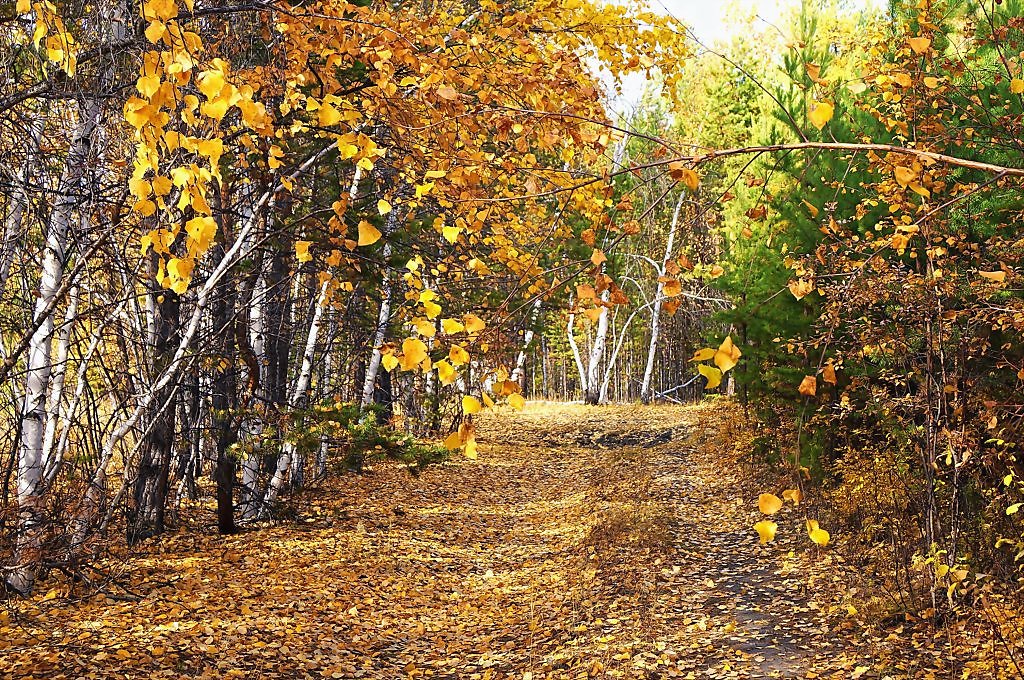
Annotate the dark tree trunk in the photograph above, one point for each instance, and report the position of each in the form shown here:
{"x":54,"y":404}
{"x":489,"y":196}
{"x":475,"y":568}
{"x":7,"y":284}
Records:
{"x":150,"y":492}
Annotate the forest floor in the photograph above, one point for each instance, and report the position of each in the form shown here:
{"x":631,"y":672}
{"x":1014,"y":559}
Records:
{"x":584,"y":542}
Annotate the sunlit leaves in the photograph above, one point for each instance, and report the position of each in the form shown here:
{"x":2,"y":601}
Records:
{"x":302,"y":251}
{"x":808,"y":386}
{"x":727,"y":355}
{"x":680,"y":172}
{"x":368,"y":234}
{"x":713,"y":376}
{"x":769,"y":504}
{"x":471,"y":405}
{"x":413,"y":353}
{"x":1017,"y":86}
{"x":766,"y":530}
{"x":383,"y":207}
{"x":820,"y":114}
{"x":818,"y":535}
{"x":904,"y":175}
{"x":792,"y":495}
{"x":919,"y":44}
{"x":451,"y":326}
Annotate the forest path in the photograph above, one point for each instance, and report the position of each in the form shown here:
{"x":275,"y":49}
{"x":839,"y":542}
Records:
{"x":600,"y":542}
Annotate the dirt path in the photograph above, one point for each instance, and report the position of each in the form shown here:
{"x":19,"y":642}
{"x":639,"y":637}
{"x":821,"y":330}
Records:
{"x":610,"y":542}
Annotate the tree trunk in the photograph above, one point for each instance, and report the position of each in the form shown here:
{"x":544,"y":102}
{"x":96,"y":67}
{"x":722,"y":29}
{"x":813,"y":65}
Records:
{"x":659,"y":298}
{"x":150,"y":492}
{"x":38,"y":366}
{"x":571,"y":337}
{"x":517,"y":372}
{"x":592,"y":394}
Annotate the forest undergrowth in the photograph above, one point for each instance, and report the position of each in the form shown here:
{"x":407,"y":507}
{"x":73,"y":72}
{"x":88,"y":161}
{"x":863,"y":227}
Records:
{"x":583,"y":542}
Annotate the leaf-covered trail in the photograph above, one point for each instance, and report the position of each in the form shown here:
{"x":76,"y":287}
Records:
{"x":611,"y":542}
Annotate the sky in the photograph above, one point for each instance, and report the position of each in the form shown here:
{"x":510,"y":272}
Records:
{"x":708,"y":20}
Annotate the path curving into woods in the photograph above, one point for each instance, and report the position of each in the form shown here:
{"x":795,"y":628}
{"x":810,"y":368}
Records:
{"x":584,"y":542}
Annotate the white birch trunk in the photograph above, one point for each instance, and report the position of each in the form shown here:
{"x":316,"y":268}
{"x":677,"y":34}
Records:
{"x":593,"y":392}
{"x":57,"y":379}
{"x":518,"y":372}
{"x":290,"y":461}
{"x":659,"y":298}
{"x":379,"y":335}
{"x":570,"y":334}
{"x":615,"y":352}
{"x":18,"y":204}
{"x":204,"y":295}
{"x":39,"y":363}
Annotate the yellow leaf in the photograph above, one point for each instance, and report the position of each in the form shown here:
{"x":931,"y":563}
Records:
{"x":447,"y":92}
{"x":703,"y":354}
{"x":211,"y":83}
{"x":431,"y":309}
{"x":474,"y":324}
{"x":139,"y":187}
{"x":23,"y":6}
{"x":1017,"y":86}
{"x":766,"y":530}
{"x":328,"y":116}
{"x":931,"y":82}
{"x":446,"y":373}
{"x":691,"y":179}
{"x":716,"y":271}
{"x":458,"y":356}
{"x":368,"y":234}
{"x":811,"y":208}
{"x":488,"y":402}
{"x":413,"y":353}
{"x":425,"y":328}
{"x":161,"y":185}
{"x":997,"y":276}
{"x":451,"y":234}
{"x":808,"y":386}
{"x":155,"y":31}
{"x":201,"y":230}
{"x":302,"y":251}
{"x":146,"y":208}
{"x":727,"y":355}
{"x":793,"y":495}
{"x":828,"y":373}
{"x":516,"y":401}
{"x":471,"y":405}
{"x":713,"y":375}
{"x":389,"y":361}
{"x":470,"y":451}
{"x":801,"y":288}
{"x":598,"y":257}
{"x":817,"y":534}
{"x":820,"y":114}
{"x":435,"y":174}
{"x":904,"y":175}
{"x":769,"y":503}
{"x":453,"y":441}
{"x":451,"y":326}
{"x":670,"y":286}
{"x":383,"y":207}
{"x":920,"y":44}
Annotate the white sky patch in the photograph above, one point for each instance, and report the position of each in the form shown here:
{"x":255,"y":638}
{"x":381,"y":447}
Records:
{"x":717,"y":21}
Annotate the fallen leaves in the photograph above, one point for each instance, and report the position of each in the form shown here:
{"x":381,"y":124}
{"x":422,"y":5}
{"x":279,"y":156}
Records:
{"x":570,"y":545}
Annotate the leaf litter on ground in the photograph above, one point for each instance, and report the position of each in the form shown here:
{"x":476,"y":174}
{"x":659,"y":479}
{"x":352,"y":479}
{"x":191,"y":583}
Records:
{"x":583,"y":542}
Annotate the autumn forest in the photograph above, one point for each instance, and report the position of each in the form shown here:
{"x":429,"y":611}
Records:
{"x":511,"y":339}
